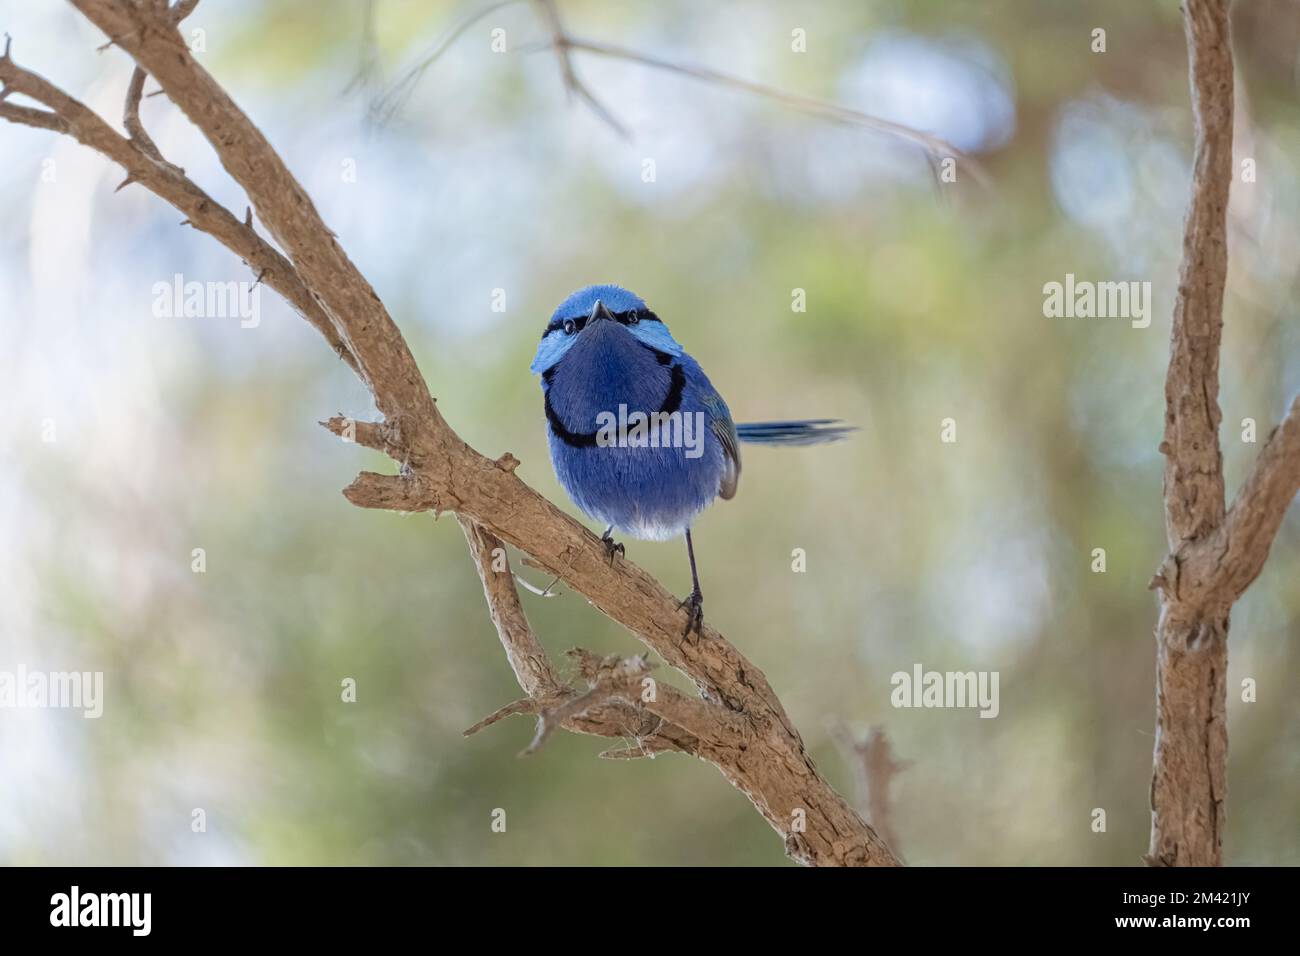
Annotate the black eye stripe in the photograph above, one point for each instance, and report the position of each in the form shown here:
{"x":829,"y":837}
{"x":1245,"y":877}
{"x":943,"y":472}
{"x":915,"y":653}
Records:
{"x":624,"y":318}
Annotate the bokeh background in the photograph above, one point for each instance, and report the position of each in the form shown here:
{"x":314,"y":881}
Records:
{"x":924,"y":301}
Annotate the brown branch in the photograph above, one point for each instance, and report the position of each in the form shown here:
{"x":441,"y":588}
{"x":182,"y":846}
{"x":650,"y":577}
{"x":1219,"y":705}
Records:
{"x":1214,"y":556}
{"x":70,"y":116}
{"x":616,"y":703}
{"x":874,"y":767}
{"x":738,"y":724}
{"x":131,"y":116}
{"x":1261,"y":504}
{"x":1189,"y":764}
{"x":607,"y":690}
{"x":405,"y":493}
{"x":135,"y":89}
{"x":1193,"y":463}
{"x":28,"y":116}
{"x":281,"y":203}
{"x":375,"y":435}
{"x":524,"y":651}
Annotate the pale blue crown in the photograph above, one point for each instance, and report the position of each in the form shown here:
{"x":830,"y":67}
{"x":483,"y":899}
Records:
{"x":616,"y":299}
{"x":556,"y":342}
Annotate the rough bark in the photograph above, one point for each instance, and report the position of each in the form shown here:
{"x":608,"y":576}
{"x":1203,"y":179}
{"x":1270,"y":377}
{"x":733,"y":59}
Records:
{"x":1213,"y":556}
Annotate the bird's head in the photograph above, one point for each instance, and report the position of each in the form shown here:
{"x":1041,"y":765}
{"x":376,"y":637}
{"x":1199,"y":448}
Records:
{"x":595,"y":304}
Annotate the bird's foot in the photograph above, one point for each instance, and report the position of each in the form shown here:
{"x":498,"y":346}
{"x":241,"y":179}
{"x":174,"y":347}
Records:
{"x":694,"y":605}
{"x":612,"y":547}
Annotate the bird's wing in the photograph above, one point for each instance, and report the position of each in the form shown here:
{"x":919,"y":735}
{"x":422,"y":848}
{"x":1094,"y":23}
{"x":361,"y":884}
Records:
{"x":725,"y":429}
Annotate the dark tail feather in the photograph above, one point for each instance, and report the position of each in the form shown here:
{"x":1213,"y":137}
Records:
{"x":813,"y":431}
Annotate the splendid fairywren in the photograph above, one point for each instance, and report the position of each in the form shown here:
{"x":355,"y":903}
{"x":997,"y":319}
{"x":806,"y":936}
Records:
{"x":639,"y":437}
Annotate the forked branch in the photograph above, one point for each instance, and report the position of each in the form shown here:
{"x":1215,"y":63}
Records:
{"x":1213,"y":555}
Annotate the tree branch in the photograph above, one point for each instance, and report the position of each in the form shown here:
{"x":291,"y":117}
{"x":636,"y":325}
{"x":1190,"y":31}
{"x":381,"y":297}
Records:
{"x":1193,"y":463}
{"x":1189,"y":765}
{"x":738,"y":724}
{"x":565,"y":44}
{"x":131,"y":116}
{"x":605,"y":710}
{"x":935,"y":147}
{"x":1214,"y":556}
{"x":281,"y":203}
{"x":168,"y":182}
{"x":572,"y":83}
{"x":524,"y":651}
{"x":1261,"y":504}
{"x":874,"y":767}
{"x":383,"y":108}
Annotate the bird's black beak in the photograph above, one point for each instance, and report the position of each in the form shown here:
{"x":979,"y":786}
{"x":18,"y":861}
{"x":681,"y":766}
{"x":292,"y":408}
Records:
{"x":598,"y":311}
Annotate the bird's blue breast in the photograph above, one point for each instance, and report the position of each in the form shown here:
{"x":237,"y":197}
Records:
{"x":645,"y":492}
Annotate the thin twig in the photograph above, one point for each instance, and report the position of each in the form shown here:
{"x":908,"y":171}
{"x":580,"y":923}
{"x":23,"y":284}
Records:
{"x":383,"y":109}
{"x":131,"y":115}
{"x":572,"y":84}
{"x":68,"y":115}
{"x":933,"y":145}
{"x":874,"y":766}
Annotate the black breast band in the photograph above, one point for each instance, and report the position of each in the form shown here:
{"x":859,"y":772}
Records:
{"x":672,"y":403}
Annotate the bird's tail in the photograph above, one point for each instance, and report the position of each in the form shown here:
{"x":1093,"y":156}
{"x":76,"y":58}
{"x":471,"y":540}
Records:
{"x":813,"y":431}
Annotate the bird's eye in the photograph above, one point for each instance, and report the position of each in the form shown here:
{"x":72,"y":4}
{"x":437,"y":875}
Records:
{"x":569,"y":327}
{"x":633,"y":318}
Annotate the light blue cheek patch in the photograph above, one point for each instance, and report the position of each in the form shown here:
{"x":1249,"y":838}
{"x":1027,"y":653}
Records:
{"x":657,"y":336}
{"x":551,"y":350}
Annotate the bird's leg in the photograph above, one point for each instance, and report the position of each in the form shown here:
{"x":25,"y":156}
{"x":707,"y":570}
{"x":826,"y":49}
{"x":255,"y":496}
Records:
{"x":695,"y":603}
{"x":612,"y":547}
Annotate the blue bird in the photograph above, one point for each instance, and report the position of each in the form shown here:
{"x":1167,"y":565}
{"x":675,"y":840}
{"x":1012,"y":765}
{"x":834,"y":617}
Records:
{"x":639,"y":437}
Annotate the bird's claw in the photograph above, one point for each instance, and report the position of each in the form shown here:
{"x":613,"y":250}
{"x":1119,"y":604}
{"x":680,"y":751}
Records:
{"x":694,"y":605}
{"x":612,"y":547}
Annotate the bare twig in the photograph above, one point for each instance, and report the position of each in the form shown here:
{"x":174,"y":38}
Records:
{"x":934,"y":146}
{"x":526,"y":655}
{"x":131,"y":115}
{"x":70,"y":116}
{"x":135,"y":90}
{"x":368,"y":61}
{"x":383,"y":109}
{"x":617,"y":702}
{"x":1261,"y":504}
{"x":874,"y":767}
{"x":572,"y":84}
{"x":564,"y":44}
{"x":611,"y":686}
